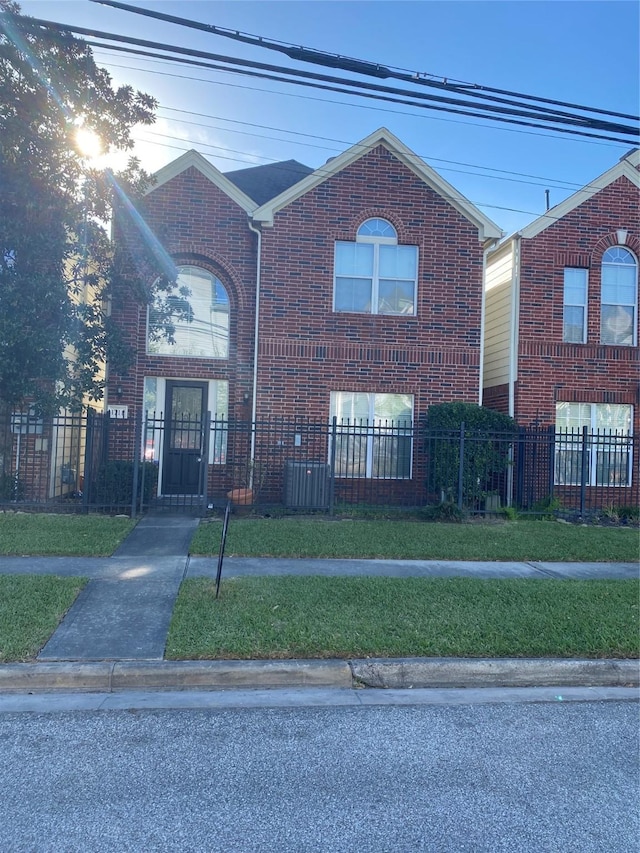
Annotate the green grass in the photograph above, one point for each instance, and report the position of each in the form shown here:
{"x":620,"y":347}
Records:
{"x":31,"y":607}
{"x":516,"y":540}
{"x":61,"y":535}
{"x":319,"y":617}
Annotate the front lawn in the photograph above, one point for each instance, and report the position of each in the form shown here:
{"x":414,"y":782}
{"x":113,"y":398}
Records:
{"x":41,"y":534}
{"x":522,"y":540}
{"x":319,"y":617}
{"x":31,"y":607}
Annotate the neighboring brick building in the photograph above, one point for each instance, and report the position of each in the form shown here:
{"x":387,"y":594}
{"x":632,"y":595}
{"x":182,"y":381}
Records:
{"x":367,"y":277}
{"x":561,"y":345}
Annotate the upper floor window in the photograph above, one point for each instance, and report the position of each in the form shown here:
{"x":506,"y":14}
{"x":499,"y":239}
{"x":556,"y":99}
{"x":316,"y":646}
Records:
{"x":375,"y":275}
{"x":574,"y":328}
{"x":619,"y":297}
{"x":192,"y":319}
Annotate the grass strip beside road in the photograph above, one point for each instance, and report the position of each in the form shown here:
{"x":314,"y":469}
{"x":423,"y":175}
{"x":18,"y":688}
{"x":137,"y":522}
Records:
{"x":41,"y":534}
{"x":31,"y":608}
{"x":521,"y":540}
{"x":320,"y":617}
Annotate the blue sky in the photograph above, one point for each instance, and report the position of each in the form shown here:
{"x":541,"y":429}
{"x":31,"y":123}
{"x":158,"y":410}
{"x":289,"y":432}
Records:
{"x":582,"y":52}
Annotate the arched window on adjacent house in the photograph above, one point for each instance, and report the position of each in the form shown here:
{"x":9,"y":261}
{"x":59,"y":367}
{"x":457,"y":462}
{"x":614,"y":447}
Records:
{"x":374,"y":275}
{"x":192,"y":319}
{"x":619,"y":297}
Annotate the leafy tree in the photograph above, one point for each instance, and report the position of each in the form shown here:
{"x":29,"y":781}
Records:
{"x":487,"y":437}
{"x":54,"y":248}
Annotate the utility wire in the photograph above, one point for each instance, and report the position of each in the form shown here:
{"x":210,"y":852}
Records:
{"x":332,"y":88}
{"x":365,"y":67}
{"x":167,"y":61}
{"x":372,"y":91}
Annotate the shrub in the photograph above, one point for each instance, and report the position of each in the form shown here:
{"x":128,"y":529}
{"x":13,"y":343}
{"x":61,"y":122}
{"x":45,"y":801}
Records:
{"x":486,"y":455}
{"x":114,"y":483}
{"x":11,"y":488}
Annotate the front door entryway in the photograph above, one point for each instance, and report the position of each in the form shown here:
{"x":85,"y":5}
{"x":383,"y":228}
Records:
{"x":186,"y":407}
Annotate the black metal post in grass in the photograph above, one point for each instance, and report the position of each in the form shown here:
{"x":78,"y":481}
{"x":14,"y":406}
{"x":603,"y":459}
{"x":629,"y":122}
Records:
{"x":223,"y":541}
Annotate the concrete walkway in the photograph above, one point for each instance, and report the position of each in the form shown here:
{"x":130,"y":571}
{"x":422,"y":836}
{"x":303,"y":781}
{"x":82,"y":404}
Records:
{"x":113,"y":637}
{"x":124,"y":611}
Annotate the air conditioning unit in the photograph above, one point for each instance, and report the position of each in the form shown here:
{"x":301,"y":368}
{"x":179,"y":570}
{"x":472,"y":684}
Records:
{"x":307,"y":485}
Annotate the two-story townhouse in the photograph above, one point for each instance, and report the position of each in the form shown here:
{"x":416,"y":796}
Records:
{"x":354,"y":291}
{"x":561,"y":344}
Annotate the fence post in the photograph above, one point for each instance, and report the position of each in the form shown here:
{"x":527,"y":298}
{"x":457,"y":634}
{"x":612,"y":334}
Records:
{"x":552,"y":460}
{"x":461,"y":466}
{"x":204,"y":463}
{"x":87,"y":484}
{"x":583,"y":469}
{"x":332,"y":464}
{"x":137,"y":443}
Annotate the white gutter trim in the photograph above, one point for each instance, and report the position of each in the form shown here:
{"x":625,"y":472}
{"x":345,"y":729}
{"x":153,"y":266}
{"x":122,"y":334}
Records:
{"x":254,"y":396}
{"x":515,"y":319}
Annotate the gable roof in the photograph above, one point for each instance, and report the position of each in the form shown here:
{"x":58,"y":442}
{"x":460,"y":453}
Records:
{"x":197,"y":161}
{"x":262,"y":183}
{"x":627,"y":166}
{"x":486,"y":227}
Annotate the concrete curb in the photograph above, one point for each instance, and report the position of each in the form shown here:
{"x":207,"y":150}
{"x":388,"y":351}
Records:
{"x":381,"y":673}
{"x":494,"y":672}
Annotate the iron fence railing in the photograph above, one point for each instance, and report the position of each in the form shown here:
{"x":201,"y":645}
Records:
{"x":94,"y":462}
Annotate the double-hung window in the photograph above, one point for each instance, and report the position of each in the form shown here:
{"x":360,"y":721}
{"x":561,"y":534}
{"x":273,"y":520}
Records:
{"x":375,"y":275}
{"x":619,"y":297}
{"x":599,"y":455}
{"x":373,"y":434}
{"x":574,"y":321}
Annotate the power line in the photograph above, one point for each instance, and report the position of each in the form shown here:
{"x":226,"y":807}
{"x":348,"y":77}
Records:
{"x":553,"y":133}
{"x":540,"y":180}
{"x":364,"y":67}
{"x":362,"y":89}
{"x":367,"y":94}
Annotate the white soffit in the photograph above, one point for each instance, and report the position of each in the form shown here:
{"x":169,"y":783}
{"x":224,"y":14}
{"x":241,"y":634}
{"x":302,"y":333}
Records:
{"x":192,"y":158}
{"x":486,"y":227}
{"x":625,"y":168}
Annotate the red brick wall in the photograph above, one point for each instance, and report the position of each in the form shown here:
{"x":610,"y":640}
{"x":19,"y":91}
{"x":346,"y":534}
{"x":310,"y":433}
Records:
{"x":497,"y":398}
{"x":306,"y":350}
{"x":548,"y":369}
{"x":197,"y":224}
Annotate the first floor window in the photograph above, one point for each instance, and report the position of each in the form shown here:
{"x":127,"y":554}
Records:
{"x":374,"y":434}
{"x":599,"y":456}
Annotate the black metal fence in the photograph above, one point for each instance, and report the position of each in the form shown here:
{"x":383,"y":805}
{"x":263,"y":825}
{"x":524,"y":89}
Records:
{"x":93,"y":462}
{"x":534,"y":470}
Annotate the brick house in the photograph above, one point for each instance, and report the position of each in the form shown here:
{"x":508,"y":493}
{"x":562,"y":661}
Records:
{"x":561,"y":345}
{"x":354,"y":291}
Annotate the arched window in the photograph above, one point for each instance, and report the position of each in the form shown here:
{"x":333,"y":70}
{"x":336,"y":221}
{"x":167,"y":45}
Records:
{"x":619,"y":297}
{"x":191,"y":319}
{"x":375,"y":275}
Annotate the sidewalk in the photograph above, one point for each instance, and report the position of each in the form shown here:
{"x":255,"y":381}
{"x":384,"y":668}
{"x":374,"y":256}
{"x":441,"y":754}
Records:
{"x":113,"y":637}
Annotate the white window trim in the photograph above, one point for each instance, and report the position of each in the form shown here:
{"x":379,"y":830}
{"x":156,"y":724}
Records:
{"x":595,"y":448}
{"x":189,"y":355}
{"x":370,"y":431}
{"x":585,"y":305}
{"x":376,"y":242}
{"x":634,"y":304}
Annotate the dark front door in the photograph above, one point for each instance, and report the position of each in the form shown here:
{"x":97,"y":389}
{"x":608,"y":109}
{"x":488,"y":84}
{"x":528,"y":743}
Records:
{"x":186,"y":407}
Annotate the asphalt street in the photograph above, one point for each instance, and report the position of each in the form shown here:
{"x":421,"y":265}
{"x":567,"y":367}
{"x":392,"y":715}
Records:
{"x":468,"y":777}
